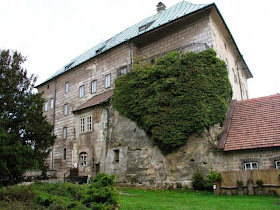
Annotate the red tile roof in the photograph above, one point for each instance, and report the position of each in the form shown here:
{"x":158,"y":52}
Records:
{"x":254,"y":123}
{"x":95,"y":100}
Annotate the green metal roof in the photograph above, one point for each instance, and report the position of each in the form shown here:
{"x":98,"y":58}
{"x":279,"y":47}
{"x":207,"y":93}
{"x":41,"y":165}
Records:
{"x":175,"y":12}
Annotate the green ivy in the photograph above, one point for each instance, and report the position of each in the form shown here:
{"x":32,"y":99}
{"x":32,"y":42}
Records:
{"x":179,"y":95}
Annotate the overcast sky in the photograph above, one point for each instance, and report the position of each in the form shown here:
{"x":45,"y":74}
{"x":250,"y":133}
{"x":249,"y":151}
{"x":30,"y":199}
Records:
{"x":50,"y":33}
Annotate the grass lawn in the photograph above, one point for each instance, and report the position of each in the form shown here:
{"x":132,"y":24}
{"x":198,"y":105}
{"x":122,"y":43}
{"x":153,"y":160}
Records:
{"x":176,"y":199}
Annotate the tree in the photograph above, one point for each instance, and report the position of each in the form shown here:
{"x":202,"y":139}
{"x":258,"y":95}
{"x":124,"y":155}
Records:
{"x":25,"y":135}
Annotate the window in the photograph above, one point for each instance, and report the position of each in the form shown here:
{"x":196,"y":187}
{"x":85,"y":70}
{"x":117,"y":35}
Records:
{"x":144,"y":27}
{"x":88,"y":121}
{"x":89,"y":124}
{"x":83,"y":159}
{"x":107,"y":80}
{"x":65,"y":109}
{"x":46,"y":106}
{"x":93,"y":86}
{"x":122,"y":71}
{"x":52,"y":103}
{"x":277,"y":164}
{"x":251,"y":166}
{"x":64,"y":132}
{"x":67,"y":87}
{"x":116,"y":156}
{"x":82,"y":124}
{"x":48,"y":86}
{"x":64,"y":154}
{"x":82,"y":91}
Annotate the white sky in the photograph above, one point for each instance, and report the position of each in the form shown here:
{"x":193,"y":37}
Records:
{"x":52,"y":32}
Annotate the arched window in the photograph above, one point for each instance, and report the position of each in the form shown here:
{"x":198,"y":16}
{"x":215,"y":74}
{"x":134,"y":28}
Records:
{"x":83,"y":159}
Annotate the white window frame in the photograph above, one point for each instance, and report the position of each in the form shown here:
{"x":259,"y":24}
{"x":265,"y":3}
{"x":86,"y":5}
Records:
{"x":108,"y":81}
{"x":52,"y":103}
{"x":89,"y":123}
{"x":67,"y":87}
{"x":82,"y":91}
{"x":82,"y":124}
{"x":65,"y":109}
{"x":277,"y":164}
{"x":94,"y":86}
{"x":65,"y":133}
{"x":249,"y":166}
{"x":83,"y":159}
{"x":46,"y":106}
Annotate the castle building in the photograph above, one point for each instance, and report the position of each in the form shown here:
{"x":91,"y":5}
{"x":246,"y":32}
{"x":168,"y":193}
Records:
{"x":93,"y":137}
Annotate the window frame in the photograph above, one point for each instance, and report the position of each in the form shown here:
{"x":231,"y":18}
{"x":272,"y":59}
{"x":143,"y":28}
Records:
{"x":82,"y":125}
{"x":251,"y":165}
{"x":89,"y":123}
{"x":64,"y":135}
{"x":86,"y":124}
{"x":93,"y":86}
{"x":108,"y":80}
{"x":52,"y":103}
{"x":66,"y":109}
{"x":277,"y":164}
{"x":46,"y":106}
{"x":67,"y":87}
{"x":83,"y":159}
{"x":82,"y":91}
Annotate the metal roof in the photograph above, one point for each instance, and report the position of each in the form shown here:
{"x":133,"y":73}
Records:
{"x":175,"y":12}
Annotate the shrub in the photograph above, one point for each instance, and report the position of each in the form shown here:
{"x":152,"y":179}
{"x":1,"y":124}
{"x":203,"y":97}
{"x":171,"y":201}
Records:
{"x":179,"y":95}
{"x":211,"y":178}
{"x":101,"y":193}
{"x":239,"y":183}
{"x":259,"y":183}
{"x":17,"y":193}
{"x":198,"y":182}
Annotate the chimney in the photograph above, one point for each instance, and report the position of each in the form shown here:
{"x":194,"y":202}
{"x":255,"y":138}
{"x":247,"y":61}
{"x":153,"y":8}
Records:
{"x":160,"y":7}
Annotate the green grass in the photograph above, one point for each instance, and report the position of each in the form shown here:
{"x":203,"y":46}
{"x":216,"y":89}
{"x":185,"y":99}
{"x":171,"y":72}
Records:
{"x":175,"y":199}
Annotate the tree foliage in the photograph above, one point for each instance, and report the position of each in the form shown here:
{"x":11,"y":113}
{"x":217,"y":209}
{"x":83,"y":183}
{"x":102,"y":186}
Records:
{"x":179,"y":95}
{"x":25,"y":134}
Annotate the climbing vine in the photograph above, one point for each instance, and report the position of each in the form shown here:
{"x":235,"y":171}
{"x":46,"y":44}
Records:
{"x":179,"y":95}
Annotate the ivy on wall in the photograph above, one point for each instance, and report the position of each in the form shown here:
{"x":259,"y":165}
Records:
{"x":179,"y":95}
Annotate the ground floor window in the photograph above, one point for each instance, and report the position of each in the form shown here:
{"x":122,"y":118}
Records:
{"x":83,"y":159}
{"x":277,"y":164}
{"x":116,"y":156}
{"x":251,"y":166}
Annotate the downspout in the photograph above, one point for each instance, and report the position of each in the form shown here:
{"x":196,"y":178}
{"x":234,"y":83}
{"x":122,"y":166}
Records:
{"x":52,"y":155}
{"x":130,"y":54}
{"x":239,"y":79}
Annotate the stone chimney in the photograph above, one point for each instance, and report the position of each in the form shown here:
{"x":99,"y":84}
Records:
{"x":160,"y":7}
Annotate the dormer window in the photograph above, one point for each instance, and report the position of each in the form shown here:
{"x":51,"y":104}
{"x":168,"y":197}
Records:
{"x":144,"y":27}
{"x":68,"y":66}
{"x":99,"y":50}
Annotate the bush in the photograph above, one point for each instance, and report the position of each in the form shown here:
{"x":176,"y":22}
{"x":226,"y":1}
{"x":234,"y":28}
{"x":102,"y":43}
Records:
{"x":239,"y":183}
{"x":259,"y":183}
{"x":179,"y":95}
{"x":198,"y":182}
{"x":101,"y":194}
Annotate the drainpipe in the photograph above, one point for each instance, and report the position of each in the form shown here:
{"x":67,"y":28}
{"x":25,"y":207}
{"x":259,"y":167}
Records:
{"x":130,"y":53}
{"x":52,"y":155}
{"x":239,"y":79}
